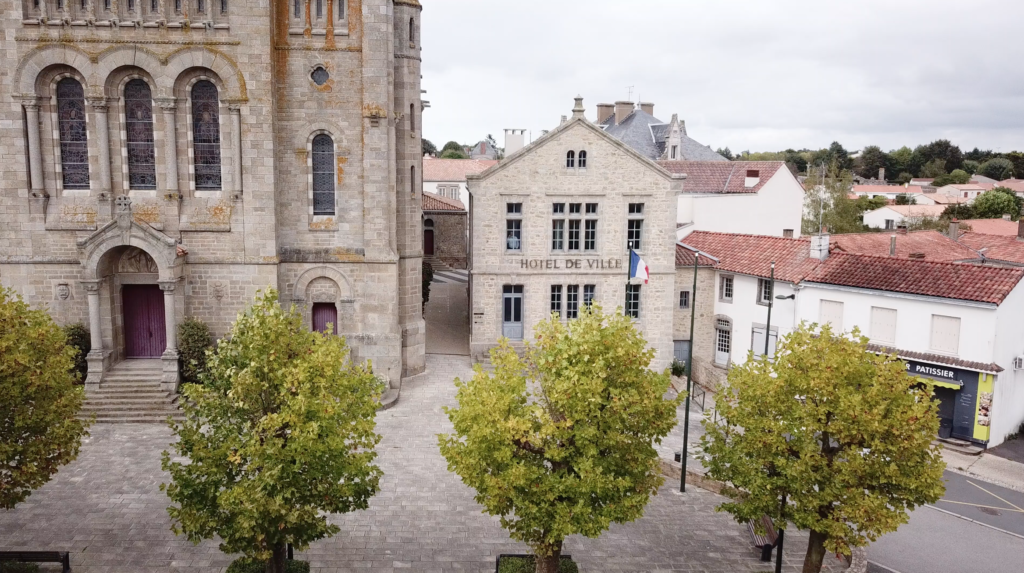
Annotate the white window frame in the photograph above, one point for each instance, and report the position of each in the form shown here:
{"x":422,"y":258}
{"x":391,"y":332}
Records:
{"x":723,"y":280}
{"x":877,"y":336}
{"x":763,"y":284}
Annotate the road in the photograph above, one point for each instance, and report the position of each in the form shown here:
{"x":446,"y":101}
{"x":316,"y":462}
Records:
{"x":977,"y":527}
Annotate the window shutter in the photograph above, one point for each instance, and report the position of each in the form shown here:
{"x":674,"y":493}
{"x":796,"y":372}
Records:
{"x":831,"y":312}
{"x":883,"y":324}
{"x":945,"y":334}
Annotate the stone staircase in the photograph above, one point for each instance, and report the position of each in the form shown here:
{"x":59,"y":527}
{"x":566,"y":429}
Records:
{"x":436,"y":264}
{"x":130,"y":393}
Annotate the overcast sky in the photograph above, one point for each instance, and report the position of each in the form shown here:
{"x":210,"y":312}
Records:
{"x":761,"y":75}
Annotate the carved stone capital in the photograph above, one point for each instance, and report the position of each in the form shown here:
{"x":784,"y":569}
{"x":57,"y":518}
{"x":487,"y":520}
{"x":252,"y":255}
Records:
{"x":91,"y":287}
{"x":167,"y":103}
{"x":235,"y":107}
{"x":99,"y":104}
{"x":168,"y":286}
{"x":30,"y":101}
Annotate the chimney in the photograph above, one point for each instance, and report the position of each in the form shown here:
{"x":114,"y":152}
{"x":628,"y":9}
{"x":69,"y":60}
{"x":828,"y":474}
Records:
{"x":901,"y":228}
{"x":564,"y":119}
{"x":881,"y":174}
{"x":515,"y":139}
{"x":954,"y":229}
{"x":647,"y":108}
{"x":1020,"y":227}
{"x":819,"y":245}
{"x":892,"y":246}
{"x":622,"y":110}
{"x":578,"y":111}
{"x":604,"y":111}
{"x":1007,"y":217}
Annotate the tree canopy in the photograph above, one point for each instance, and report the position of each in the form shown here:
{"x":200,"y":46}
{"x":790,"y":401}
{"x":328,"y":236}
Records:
{"x":454,"y":154}
{"x":428,"y":147}
{"x":872,"y":159}
{"x":844,"y":434}
{"x":998,"y":169}
{"x":995,"y":203}
{"x":827,"y":201}
{"x":39,"y":402}
{"x":280,"y":434}
{"x":560,"y":441}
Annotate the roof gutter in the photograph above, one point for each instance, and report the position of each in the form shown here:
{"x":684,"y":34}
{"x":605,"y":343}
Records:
{"x":904,"y":295}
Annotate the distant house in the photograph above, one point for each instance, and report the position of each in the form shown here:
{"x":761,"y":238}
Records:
{"x":447,"y":177}
{"x":984,"y":182}
{"x":891,"y":192}
{"x":1004,"y":227}
{"x":445,"y":231}
{"x":893,"y":216}
{"x":917,"y":245}
{"x":967,"y":192}
{"x":1017,"y":185}
{"x":483,"y":150}
{"x":992,"y":242}
{"x":922,"y":181}
{"x":638,"y":128}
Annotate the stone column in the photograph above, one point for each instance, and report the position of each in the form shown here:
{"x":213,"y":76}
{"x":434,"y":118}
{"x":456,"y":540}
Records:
{"x":97,"y":356}
{"x":100,"y":106}
{"x":169,"y":106}
{"x":34,"y":154}
{"x":236,"y":130}
{"x":171,"y":377}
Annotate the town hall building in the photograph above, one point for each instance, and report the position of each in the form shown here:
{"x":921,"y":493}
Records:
{"x":166,"y":159}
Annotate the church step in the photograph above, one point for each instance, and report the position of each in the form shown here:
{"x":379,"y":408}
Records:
{"x":132,"y":390}
{"x":155,"y":419}
{"x":121,"y":410}
{"x":133,"y":375}
{"x":127,"y":400}
{"x":131,"y":384}
{"x":150,"y":395}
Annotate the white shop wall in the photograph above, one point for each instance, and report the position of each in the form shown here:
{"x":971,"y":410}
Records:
{"x":745,"y":312}
{"x":1008,"y":395}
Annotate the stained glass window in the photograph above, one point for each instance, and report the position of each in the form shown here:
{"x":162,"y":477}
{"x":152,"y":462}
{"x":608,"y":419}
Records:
{"x":206,"y":135}
{"x":138,"y":110}
{"x":74,"y":146}
{"x":323,"y":175}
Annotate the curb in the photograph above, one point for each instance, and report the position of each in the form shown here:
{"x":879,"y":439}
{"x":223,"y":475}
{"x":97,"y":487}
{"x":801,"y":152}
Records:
{"x":958,"y":516}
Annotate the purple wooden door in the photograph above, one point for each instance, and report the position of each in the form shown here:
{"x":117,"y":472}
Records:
{"x":145,"y":335}
{"x":428,"y":242}
{"x":325,"y":313}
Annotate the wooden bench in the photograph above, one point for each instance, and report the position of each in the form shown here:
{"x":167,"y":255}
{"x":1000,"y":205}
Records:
{"x":61,"y":557}
{"x":764,"y":542}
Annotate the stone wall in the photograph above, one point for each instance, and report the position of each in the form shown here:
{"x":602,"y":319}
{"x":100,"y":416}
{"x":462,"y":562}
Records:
{"x":704,"y":325}
{"x":450,"y":241}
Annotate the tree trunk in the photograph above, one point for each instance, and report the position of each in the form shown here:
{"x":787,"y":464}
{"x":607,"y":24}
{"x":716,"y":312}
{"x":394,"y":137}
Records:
{"x":277,"y":559}
{"x":815,"y":552}
{"x":550,"y":563}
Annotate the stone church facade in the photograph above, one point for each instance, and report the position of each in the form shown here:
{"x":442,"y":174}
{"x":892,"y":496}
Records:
{"x":168,"y":158}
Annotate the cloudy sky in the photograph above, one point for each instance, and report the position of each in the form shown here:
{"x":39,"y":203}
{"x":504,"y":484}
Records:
{"x":748,"y":74}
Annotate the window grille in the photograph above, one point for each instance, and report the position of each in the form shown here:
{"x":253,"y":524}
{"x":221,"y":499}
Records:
{"x":323,"y":175}
{"x":514,"y":226}
{"x":574,"y":234}
{"x":724,"y":342}
{"x":590,"y":235}
{"x":684,"y":299}
{"x":206,"y":135}
{"x":633,"y":301}
{"x":634,"y":234}
{"x":588,"y":294}
{"x":558,"y":234}
{"x":583,"y":160}
{"x":726,"y":289}
{"x":556,"y":299}
{"x":74,"y":145}
{"x":138,"y":110}
{"x":572,"y":301}
{"x":570,"y":160}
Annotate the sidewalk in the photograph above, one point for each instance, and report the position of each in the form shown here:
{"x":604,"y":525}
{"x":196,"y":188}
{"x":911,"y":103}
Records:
{"x":987,"y":467}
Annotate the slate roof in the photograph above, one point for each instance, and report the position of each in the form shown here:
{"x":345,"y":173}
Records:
{"x":943,"y":280}
{"x":936,"y":359}
{"x":435,"y":202}
{"x":934,"y":245}
{"x":996,"y":247}
{"x":753,"y":254}
{"x":990,"y":226}
{"x":646,"y":134}
{"x":453,"y":169}
{"x":722,"y":176}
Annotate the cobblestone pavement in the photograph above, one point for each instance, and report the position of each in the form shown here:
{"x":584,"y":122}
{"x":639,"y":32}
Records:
{"x":106,"y":508}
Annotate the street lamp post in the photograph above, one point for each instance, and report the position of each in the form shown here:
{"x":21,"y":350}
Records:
{"x":767,"y":341}
{"x":689,"y":376}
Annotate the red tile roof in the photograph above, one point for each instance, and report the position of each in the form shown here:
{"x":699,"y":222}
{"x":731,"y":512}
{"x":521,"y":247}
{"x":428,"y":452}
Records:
{"x":434,"y":202}
{"x":934,"y":245}
{"x":868,"y":189}
{"x":996,"y":247}
{"x":684,"y":258}
{"x":990,"y":226}
{"x":722,"y":176}
{"x":918,"y":210}
{"x":1014,"y":184}
{"x":453,"y":169}
{"x":753,"y":254}
{"x":944,"y":280}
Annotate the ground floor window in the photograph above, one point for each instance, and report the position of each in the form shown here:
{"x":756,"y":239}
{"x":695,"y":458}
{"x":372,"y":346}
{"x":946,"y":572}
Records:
{"x":681,"y":350}
{"x":556,"y":299}
{"x":572,"y":299}
{"x":723,"y":340}
{"x":633,"y":301}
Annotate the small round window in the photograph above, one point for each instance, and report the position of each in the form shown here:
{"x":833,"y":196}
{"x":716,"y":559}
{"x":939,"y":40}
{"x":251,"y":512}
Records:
{"x":320,"y":75}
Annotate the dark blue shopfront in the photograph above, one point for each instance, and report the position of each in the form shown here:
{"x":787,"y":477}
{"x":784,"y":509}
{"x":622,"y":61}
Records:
{"x":964,"y":396}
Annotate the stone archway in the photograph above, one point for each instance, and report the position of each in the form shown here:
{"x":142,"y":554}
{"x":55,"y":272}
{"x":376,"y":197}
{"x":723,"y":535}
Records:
{"x":128,"y":252}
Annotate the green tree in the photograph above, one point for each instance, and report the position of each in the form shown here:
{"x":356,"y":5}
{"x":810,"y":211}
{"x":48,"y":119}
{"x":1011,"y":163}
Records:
{"x":865,"y":203}
{"x":827,"y":201}
{"x":933,"y":168}
{"x":428,"y":147}
{"x":905,"y":199}
{"x":901,"y":159}
{"x":454,"y":154}
{"x":872,"y":159}
{"x":1017,"y":159}
{"x":844,"y":434}
{"x":39,"y":402}
{"x":979,"y":156}
{"x":957,"y":177}
{"x":726,"y":153}
{"x":971,"y":166}
{"x":561,"y":440}
{"x":998,"y":169}
{"x":904,"y":178}
{"x":280,"y":434}
{"x":996,"y":202}
{"x":836,"y":154}
{"x":943,"y":149}
{"x":453,"y":146}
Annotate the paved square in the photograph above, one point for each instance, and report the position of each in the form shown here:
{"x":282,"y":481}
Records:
{"x":107,"y":509}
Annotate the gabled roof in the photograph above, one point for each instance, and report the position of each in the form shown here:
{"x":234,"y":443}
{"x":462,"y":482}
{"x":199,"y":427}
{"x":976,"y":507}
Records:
{"x":943,"y":280}
{"x":442,"y":170}
{"x":1014,"y":184}
{"x":915,"y":210}
{"x":990,"y":226}
{"x":964,"y":187}
{"x":932,"y":244}
{"x":753,"y":254}
{"x":685,"y":255}
{"x":947,"y":200}
{"x":646,"y":134}
{"x":996,"y":247}
{"x":887,"y":189}
{"x":722,"y":176}
{"x":434,"y":202}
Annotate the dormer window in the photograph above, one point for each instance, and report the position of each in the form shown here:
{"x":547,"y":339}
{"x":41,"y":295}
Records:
{"x":570,"y":160}
{"x":675,"y":152}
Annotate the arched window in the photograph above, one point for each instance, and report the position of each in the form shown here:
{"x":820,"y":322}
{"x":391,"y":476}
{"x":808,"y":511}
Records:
{"x":570,"y":160}
{"x":323,"y":175}
{"x":74,"y":145}
{"x":412,"y":30}
{"x":138,"y":111}
{"x":206,"y":135}
{"x":583,"y":159}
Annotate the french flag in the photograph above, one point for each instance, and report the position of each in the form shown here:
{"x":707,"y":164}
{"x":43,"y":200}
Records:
{"x":637,"y":267}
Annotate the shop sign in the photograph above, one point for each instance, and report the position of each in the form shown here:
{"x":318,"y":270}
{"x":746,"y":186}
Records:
{"x":939,"y":372}
{"x":571,"y":264}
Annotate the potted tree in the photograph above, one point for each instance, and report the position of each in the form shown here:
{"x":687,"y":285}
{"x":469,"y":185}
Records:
{"x":560,"y":441}
{"x":279,"y":434}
